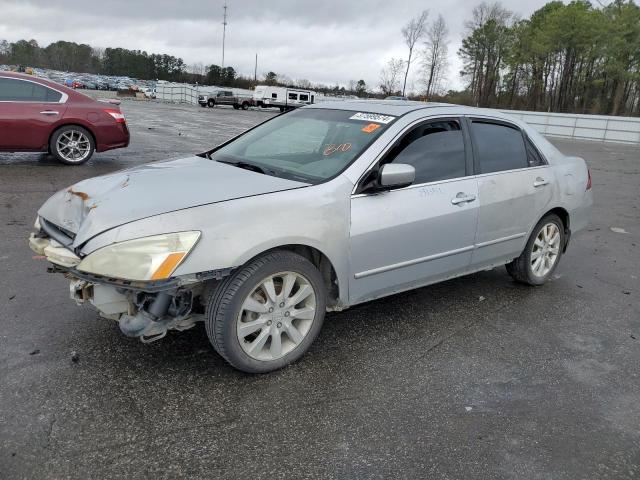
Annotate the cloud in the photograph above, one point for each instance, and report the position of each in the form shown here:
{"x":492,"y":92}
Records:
{"x":330,"y":42}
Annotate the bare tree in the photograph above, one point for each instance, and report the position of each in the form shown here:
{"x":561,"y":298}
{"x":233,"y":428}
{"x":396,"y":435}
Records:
{"x":434,"y":59}
{"x":485,"y":12}
{"x":412,"y":32}
{"x":197,"y":68}
{"x":390,"y":76}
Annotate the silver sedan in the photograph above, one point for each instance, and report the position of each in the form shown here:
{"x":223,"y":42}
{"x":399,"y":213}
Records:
{"x":315,"y":210}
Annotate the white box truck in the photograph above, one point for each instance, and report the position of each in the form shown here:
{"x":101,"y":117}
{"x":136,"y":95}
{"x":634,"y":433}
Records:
{"x":282,"y":97}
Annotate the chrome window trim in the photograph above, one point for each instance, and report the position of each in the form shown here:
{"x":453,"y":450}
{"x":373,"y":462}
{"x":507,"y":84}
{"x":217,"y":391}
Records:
{"x":513,"y":170}
{"x":449,"y":180}
{"x":417,"y":185}
{"x":63,"y":98}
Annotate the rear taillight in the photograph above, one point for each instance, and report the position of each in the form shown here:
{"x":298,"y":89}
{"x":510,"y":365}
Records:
{"x":588,"y":179}
{"x":116,"y":114}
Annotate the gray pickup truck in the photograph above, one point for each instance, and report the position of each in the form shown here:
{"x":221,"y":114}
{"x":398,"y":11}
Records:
{"x":225,"y":97}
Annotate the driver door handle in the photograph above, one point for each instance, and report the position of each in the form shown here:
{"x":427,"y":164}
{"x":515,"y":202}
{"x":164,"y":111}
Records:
{"x":49,"y":112}
{"x":540,"y":182}
{"x":461,"y":198}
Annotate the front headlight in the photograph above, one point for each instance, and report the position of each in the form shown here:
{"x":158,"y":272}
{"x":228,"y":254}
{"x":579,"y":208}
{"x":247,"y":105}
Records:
{"x":148,"y":258}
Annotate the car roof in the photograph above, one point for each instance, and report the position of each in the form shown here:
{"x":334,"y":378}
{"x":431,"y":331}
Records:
{"x":398,"y":108}
{"x":384,"y":107}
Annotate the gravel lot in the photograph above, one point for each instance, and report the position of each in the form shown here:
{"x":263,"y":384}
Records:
{"x":476,"y":377}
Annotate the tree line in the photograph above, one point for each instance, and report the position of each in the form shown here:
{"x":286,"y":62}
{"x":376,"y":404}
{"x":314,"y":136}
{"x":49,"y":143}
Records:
{"x":82,"y":58}
{"x":565,"y":58}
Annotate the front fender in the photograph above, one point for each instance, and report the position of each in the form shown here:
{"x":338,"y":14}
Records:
{"x":235,"y":231}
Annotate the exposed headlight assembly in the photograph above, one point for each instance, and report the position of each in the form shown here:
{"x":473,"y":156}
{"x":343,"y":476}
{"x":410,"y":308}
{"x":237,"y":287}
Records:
{"x":147,"y":258}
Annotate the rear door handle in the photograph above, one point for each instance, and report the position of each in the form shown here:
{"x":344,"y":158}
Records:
{"x":461,"y":198}
{"x":540,"y":182}
{"x":49,"y":112}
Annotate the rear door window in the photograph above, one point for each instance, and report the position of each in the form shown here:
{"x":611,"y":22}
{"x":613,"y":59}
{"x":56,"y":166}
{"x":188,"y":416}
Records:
{"x":15,"y":90}
{"x":498,"y":147}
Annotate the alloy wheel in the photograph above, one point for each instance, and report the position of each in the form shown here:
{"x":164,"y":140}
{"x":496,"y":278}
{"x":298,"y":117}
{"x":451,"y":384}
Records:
{"x":73,"y":146}
{"x":545,"y":250}
{"x":276,"y":316}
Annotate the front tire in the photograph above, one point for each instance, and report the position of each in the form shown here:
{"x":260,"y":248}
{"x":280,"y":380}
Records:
{"x":268,"y":313}
{"x":245,"y":106}
{"x":72,"y":145}
{"x":211,"y":103}
{"x":541,"y":255}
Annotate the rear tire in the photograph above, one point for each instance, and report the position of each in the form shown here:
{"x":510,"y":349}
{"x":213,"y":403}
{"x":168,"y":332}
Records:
{"x":245,"y":106}
{"x":72,"y":145}
{"x":541,"y":255}
{"x":211,"y":103}
{"x":268,"y":313}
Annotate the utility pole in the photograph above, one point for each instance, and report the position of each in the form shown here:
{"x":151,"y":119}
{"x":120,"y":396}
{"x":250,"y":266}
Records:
{"x":224,"y":30}
{"x":255,"y":71}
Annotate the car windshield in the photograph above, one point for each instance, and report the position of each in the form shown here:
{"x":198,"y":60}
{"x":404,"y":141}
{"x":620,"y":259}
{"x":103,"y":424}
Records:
{"x":309,"y":145}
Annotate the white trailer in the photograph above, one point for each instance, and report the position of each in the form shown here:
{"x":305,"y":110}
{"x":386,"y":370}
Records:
{"x":282,"y":97}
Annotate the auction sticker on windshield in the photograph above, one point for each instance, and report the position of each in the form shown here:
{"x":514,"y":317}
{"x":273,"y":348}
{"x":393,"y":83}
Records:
{"x":373,"y":117}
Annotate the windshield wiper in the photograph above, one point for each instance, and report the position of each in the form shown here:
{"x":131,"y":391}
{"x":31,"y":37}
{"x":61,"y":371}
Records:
{"x":245,"y":165}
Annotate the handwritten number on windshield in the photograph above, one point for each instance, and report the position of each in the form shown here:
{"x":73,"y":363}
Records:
{"x":332,"y":148}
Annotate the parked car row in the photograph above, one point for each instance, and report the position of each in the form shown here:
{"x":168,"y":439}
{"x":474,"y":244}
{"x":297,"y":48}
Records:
{"x":89,"y":81}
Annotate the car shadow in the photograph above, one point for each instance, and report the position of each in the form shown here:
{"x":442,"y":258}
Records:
{"x":402,"y":321}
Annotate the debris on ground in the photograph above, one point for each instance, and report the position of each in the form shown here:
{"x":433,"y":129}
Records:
{"x":481,"y":298}
{"x":618,"y":230}
{"x":34,"y":352}
{"x":12,"y":297}
{"x":74,"y":356}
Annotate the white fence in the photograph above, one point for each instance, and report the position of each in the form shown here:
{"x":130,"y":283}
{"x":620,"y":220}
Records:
{"x":583,"y":127}
{"x":580,"y":127}
{"x":185,"y":93}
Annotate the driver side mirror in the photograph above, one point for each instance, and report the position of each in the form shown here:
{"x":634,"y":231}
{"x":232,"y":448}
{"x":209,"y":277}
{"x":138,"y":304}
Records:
{"x":396,"y":175}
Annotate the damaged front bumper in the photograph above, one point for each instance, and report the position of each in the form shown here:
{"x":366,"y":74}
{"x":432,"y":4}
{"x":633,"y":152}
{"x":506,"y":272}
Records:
{"x":146,"y":310}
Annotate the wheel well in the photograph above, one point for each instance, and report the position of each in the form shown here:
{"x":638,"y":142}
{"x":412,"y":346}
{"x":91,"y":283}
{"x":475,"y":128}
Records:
{"x":563,"y":214}
{"x":93,"y":136}
{"x":323,"y":264}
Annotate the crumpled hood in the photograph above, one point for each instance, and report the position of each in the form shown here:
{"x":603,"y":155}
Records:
{"x":97,"y":204}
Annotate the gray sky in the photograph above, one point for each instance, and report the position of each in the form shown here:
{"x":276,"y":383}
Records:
{"x":340,"y":41}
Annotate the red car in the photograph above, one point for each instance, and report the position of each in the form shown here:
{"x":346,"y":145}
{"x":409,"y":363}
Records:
{"x":37,"y":115}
